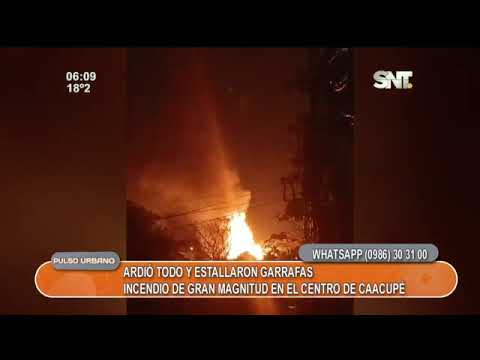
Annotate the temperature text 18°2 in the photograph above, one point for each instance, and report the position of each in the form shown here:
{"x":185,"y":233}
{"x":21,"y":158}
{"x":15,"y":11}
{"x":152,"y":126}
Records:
{"x":80,"y":82}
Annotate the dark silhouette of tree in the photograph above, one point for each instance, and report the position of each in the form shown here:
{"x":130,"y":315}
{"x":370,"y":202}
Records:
{"x":281,"y":246}
{"x":213,"y":238}
{"x":147,"y":238}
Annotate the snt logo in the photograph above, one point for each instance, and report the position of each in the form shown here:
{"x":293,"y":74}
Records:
{"x":399,"y":79}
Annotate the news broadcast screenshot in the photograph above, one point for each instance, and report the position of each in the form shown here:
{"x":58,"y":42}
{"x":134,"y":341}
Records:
{"x":239,"y":181}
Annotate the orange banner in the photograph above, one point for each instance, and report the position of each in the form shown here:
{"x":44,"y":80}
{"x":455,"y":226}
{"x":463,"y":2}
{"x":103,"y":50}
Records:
{"x":214,"y":279}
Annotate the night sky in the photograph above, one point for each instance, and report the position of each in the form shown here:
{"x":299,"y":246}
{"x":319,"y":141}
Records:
{"x":206,"y":122}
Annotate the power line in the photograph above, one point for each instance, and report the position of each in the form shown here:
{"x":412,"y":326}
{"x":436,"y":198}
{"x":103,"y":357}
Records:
{"x":255,"y":205}
{"x":203,"y":209}
{"x":244,"y":193}
{"x":226,"y":201}
{"x":212,"y":207}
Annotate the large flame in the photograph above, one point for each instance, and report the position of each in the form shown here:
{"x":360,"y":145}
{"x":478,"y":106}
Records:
{"x":240,"y":238}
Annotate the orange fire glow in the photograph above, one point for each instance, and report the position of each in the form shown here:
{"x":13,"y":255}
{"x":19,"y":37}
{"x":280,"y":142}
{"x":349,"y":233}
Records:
{"x":240,"y":238}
